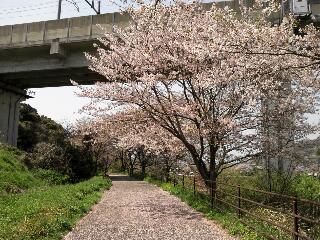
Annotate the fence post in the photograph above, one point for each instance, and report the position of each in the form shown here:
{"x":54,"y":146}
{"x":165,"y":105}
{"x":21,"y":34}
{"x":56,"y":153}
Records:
{"x":295,"y":218}
{"x":239,"y":201}
{"x":194,"y":185}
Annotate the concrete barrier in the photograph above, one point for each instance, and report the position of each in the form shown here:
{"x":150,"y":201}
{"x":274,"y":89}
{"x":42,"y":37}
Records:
{"x":81,"y":28}
{"x":66,"y":30}
{"x":5,"y":35}
{"x":19,"y":33}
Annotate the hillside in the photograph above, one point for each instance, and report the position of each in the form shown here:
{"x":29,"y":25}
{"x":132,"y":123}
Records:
{"x":14,"y":176}
{"x":41,"y":204}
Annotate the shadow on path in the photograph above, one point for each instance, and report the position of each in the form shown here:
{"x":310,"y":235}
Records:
{"x":122,"y":178}
{"x":136,"y":210}
{"x":162,"y":209}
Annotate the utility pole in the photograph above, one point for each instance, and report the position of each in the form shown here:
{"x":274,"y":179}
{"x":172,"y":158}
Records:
{"x":282,"y":13}
{"x":59,"y":9}
{"x":97,"y":10}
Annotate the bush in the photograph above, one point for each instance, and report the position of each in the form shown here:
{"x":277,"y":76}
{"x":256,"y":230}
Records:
{"x":48,"y":156}
{"x":49,"y":146}
{"x":69,"y":160}
{"x":81,"y":163}
{"x":307,"y":187}
{"x":34,"y":129}
{"x":51,"y":177}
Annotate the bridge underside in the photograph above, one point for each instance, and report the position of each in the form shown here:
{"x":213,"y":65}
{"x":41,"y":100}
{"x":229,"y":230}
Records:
{"x":51,"y":65}
{"x":51,"y":78}
{"x":47,"y":66}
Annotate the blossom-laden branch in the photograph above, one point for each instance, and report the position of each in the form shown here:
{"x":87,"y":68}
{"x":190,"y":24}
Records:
{"x":217,"y":82}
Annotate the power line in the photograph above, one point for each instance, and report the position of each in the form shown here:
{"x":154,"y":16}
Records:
{"x":27,"y":10}
{"x":28,"y":6}
{"x":37,"y":9}
{"x":28,"y":15}
{"x":34,"y":14}
{"x":93,"y":7}
{"x":40,"y":8}
{"x":97,"y":10}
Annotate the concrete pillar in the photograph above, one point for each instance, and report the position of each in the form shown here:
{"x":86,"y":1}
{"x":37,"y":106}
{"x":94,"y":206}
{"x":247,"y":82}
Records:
{"x":278,"y":130}
{"x":9,"y":115}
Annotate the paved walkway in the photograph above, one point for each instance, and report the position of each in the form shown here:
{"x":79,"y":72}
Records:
{"x":136,"y":210}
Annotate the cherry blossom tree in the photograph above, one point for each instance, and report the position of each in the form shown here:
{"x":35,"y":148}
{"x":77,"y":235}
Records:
{"x":98,"y":143}
{"x":208,"y":77}
{"x":138,"y":140}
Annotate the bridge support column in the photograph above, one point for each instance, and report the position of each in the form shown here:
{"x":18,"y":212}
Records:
{"x":9,"y":114}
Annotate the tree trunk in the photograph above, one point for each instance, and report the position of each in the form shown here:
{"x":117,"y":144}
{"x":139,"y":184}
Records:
{"x":131,"y":163}
{"x":143,"y":168}
{"x":123,"y":165}
{"x":142,"y":160}
{"x":131,"y":168}
{"x":106,"y":167}
{"x":200,"y":165}
{"x":167,"y":172}
{"x":96,"y":164}
{"x":167,"y":177}
{"x":212,"y":168}
{"x":207,"y":175}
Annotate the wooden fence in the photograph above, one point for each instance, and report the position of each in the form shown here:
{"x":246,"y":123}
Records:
{"x":300,"y":214}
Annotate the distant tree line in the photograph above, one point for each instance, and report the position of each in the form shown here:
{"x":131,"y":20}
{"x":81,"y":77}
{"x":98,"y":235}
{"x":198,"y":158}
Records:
{"x":49,"y":146}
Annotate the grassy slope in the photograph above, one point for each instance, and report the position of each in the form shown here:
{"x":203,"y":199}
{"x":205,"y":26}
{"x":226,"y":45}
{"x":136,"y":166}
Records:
{"x":47,"y":214}
{"x":14,"y":176}
{"x":31,"y":208}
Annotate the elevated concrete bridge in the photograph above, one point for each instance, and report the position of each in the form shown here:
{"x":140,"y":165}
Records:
{"x":46,"y":54}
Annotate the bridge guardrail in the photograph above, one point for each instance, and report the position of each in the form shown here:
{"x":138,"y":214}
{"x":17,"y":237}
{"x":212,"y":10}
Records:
{"x":66,"y":30}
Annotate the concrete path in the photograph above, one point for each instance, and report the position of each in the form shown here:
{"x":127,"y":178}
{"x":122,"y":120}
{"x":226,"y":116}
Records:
{"x":136,"y":210}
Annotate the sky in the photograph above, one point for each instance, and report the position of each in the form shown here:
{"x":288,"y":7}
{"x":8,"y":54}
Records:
{"x":61,"y":104}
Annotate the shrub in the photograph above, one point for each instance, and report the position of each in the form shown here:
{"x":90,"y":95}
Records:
{"x":49,"y":156}
{"x":307,"y":187}
{"x":51,"y":176}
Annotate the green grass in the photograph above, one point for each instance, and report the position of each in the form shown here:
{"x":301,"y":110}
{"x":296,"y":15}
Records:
{"x":35,"y":204}
{"x":50,"y":212}
{"x":302,"y":185}
{"x":51,"y":177}
{"x":307,"y":187}
{"x":14,"y":176}
{"x":223,"y":215}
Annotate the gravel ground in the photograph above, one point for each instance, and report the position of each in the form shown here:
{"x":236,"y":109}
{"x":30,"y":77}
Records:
{"x":136,"y":210}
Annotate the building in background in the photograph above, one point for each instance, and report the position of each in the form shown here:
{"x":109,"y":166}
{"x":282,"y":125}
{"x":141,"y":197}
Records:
{"x":315,"y":9}
{"x":302,"y":9}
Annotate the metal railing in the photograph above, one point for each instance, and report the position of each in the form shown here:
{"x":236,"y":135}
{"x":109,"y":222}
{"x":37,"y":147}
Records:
{"x":298,"y":212}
